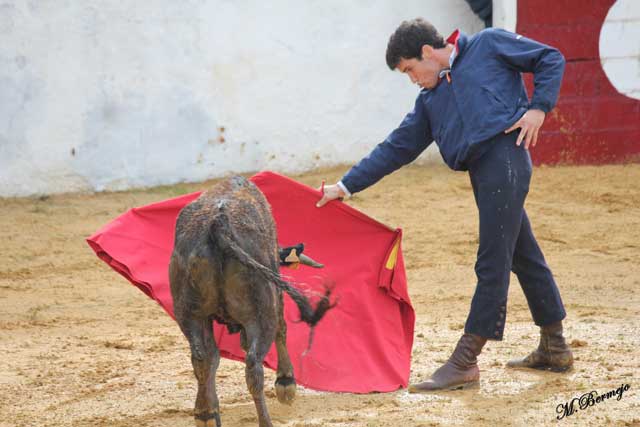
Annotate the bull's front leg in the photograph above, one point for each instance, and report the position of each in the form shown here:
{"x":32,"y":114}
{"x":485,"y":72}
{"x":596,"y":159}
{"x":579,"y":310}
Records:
{"x":205,"y":359}
{"x":285,"y":381}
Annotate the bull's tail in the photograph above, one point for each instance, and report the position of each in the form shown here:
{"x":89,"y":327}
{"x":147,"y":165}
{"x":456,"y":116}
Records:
{"x":222,"y":236}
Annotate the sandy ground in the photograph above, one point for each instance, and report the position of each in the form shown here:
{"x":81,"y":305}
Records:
{"x":82,"y":347}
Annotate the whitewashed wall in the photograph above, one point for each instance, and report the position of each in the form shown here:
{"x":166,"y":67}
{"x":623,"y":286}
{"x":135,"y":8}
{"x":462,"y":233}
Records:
{"x":505,"y":14}
{"x":620,"y":47}
{"x":99,"y":94}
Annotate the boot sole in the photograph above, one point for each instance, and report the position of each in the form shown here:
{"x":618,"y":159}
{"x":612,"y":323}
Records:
{"x":464,"y":386}
{"x":556,"y":369}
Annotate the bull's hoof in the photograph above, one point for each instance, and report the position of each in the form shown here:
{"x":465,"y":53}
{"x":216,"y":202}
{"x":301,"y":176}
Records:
{"x":286,"y":390}
{"x":208,"y":420}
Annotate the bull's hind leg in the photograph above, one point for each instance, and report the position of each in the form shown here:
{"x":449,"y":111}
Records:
{"x":285,"y":381}
{"x":205,"y":359}
{"x":259,"y":339}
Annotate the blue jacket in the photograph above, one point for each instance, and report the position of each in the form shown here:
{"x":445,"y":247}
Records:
{"x":486,"y":96}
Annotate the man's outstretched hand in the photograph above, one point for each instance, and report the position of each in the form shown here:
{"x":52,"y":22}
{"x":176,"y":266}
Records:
{"x":331,"y":192}
{"x":529,"y":125}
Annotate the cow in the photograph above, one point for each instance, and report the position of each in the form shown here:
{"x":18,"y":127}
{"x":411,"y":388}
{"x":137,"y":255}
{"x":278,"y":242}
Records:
{"x":225,"y":267}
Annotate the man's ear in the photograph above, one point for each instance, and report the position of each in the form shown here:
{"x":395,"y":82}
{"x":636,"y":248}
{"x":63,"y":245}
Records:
{"x":427,"y":51}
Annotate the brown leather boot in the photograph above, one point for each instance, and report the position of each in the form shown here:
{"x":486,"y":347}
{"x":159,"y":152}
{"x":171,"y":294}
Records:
{"x":552,"y":354}
{"x":460,"y":371}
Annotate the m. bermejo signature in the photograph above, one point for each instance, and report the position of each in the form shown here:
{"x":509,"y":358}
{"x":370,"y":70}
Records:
{"x":588,"y":399}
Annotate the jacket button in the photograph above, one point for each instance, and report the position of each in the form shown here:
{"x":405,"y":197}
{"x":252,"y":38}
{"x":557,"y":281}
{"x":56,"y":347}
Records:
{"x":497,"y":333}
{"x":498,"y":323}
{"x":501,"y":315}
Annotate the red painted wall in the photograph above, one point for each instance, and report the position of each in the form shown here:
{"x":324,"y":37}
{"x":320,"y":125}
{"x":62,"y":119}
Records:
{"x":592,"y":123}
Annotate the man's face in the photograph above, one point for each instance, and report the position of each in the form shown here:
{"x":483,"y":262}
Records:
{"x":423,"y":72}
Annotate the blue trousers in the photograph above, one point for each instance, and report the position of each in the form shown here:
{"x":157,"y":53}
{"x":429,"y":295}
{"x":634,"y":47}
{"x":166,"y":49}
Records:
{"x":500,"y":180}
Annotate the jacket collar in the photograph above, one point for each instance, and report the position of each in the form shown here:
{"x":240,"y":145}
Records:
{"x":459,"y":40}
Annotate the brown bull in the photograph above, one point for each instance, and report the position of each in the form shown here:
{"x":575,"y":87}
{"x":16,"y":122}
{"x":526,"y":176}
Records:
{"x":225,"y":267}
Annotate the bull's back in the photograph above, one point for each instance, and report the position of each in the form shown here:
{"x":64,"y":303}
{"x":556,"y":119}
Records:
{"x":245,"y":210}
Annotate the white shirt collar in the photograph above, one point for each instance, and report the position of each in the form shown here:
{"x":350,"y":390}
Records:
{"x":453,"y":55}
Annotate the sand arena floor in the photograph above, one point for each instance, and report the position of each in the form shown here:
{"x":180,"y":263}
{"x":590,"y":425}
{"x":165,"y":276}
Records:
{"x":80,"y":346}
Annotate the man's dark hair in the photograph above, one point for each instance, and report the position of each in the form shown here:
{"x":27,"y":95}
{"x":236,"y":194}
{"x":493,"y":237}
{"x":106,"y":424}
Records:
{"x":407,"y":41}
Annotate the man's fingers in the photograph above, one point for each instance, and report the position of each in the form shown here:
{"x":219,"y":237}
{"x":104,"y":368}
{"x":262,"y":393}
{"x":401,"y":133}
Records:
{"x":529,"y":125}
{"x":329,"y":193}
{"x":527,"y":139}
{"x":515,"y":126}
{"x":521,"y":135}
{"x":322,"y":201}
{"x":535,"y":138}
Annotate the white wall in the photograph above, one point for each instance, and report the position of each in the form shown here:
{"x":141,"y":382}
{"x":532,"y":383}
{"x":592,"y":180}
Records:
{"x":99,"y":94}
{"x":620,"y":47}
{"x":505,"y":14}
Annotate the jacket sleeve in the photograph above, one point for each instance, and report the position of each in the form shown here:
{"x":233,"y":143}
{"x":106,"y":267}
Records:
{"x":402,"y":146}
{"x":529,"y":56}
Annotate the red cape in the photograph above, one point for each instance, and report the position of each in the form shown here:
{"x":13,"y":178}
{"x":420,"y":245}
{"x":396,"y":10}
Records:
{"x":361,"y":345}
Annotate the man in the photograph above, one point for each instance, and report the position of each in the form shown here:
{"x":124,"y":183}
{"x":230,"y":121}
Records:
{"x":473,"y":103}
